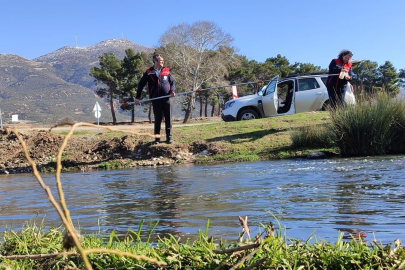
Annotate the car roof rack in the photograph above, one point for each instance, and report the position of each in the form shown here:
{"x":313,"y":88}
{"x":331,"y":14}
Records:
{"x":305,"y":74}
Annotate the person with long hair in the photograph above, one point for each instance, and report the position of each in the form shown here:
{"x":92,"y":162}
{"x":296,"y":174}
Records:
{"x":340,"y":73}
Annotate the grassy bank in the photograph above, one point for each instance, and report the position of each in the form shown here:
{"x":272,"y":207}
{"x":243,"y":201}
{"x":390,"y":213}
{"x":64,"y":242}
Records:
{"x":222,"y":142}
{"x":261,"y":139}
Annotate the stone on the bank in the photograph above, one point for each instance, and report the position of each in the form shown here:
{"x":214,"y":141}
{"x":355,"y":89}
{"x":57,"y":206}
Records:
{"x":316,"y":155}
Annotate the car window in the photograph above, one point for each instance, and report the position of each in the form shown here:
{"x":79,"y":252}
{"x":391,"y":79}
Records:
{"x":271,"y":87}
{"x":324,"y":80}
{"x":307,"y":84}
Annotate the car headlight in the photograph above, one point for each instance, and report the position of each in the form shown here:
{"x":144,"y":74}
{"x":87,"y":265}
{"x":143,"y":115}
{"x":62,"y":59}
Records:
{"x":228,"y":104}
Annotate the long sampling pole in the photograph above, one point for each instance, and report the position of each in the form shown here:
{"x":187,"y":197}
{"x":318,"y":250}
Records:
{"x":195,"y":91}
{"x":204,"y":89}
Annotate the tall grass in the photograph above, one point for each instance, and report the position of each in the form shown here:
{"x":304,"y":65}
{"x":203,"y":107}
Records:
{"x":373,"y":127}
{"x":313,"y":136}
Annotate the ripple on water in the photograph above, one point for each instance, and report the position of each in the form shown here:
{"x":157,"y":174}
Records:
{"x":322,"y":196}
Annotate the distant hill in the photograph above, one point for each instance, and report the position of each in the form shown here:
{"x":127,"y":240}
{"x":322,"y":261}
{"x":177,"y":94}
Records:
{"x":73,"y":63}
{"x":56,"y":85}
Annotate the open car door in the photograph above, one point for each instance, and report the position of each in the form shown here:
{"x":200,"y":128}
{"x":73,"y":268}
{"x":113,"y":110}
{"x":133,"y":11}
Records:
{"x":270,"y":98}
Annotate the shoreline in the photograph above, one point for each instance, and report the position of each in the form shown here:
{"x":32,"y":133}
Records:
{"x":202,"y":141}
{"x":124,"y":151}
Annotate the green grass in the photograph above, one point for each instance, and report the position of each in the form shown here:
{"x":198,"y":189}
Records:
{"x":75,"y":133}
{"x":269,"y":250}
{"x":110,"y":165}
{"x":253,"y":140}
{"x":261,"y":139}
{"x":313,"y":136}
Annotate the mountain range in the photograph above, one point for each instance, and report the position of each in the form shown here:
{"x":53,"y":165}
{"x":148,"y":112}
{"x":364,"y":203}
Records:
{"x":57,"y":85}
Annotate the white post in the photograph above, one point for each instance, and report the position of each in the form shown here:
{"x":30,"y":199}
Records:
{"x":97,"y":114}
{"x":98,"y":123}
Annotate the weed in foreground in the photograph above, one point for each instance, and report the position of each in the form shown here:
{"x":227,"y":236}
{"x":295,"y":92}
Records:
{"x":268,"y":249}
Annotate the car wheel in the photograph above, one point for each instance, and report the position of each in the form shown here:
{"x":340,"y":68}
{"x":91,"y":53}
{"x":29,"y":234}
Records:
{"x":248,"y":114}
{"x":326,"y":105}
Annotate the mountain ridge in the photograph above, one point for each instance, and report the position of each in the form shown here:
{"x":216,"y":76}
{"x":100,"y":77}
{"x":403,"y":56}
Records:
{"x":56,"y":85}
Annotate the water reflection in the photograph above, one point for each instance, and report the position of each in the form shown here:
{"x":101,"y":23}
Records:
{"x":128,"y":197}
{"x":166,"y":192}
{"x":366,"y":194}
{"x":355,"y":196}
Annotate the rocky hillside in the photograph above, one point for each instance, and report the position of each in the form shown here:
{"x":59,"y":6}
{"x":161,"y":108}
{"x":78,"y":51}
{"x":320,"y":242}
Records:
{"x":73,"y":63}
{"x":56,"y":85}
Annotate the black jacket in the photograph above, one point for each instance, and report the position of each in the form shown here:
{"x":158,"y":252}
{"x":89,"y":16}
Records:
{"x":158,"y":86}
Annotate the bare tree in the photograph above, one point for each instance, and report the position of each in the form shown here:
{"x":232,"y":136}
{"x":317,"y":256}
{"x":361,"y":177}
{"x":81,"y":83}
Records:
{"x":198,"y":54}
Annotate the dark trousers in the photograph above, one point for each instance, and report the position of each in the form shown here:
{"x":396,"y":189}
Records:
{"x":162,"y":107}
{"x":337,"y":98}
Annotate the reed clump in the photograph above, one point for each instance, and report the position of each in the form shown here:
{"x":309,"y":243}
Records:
{"x":375,"y":126}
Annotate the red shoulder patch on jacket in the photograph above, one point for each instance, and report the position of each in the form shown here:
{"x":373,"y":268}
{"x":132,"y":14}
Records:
{"x":165,"y":72}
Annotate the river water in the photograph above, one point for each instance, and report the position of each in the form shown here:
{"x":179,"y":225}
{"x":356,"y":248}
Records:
{"x":325,"y":197}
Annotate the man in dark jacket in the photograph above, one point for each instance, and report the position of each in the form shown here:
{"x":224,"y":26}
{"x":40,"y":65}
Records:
{"x":341,"y":69}
{"x":160,"y":84}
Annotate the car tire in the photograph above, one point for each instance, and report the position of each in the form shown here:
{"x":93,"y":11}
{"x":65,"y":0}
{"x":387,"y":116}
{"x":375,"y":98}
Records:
{"x":248,"y":114}
{"x":326,"y":105}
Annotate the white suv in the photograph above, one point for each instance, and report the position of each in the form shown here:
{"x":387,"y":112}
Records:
{"x":292,"y":94}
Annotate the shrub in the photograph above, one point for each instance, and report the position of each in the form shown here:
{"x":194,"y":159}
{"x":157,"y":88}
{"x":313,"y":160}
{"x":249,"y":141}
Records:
{"x":373,"y":127}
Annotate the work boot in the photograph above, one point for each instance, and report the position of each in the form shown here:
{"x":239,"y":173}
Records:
{"x":169,"y":139}
{"x":157,"y":141}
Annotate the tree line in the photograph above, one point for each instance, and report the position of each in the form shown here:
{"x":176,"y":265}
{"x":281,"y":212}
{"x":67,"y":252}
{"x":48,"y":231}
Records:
{"x":200,"y":56}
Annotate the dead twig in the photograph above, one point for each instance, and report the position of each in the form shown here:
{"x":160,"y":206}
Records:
{"x":40,"y":256}
{"x":259,"y":262}
{"x":245,"y":227}
{"x":232,"y":250}
{"x":244,"y":259}
{"x":65,"y":219}
{"x":62,"y":209}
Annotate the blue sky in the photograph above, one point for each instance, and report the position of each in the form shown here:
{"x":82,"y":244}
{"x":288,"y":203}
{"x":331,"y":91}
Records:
{"x":307,"y":31}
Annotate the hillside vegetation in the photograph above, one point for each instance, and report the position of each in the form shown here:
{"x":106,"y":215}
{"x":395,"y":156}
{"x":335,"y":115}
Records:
{"x":57,"y":85}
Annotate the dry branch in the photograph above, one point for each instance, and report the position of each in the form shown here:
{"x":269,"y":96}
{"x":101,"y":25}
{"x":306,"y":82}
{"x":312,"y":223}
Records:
{"x":62,"y":209}
{"x":232,"y":250}
{"x":40,"y":256}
